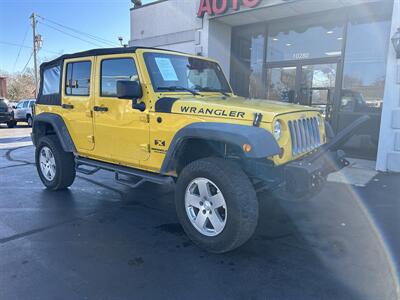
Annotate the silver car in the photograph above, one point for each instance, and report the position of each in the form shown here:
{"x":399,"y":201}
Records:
{"x":23,"y":111}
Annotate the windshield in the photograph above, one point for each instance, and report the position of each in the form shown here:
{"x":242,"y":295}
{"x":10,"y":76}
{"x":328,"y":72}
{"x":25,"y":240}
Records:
{"x":169,"y":72}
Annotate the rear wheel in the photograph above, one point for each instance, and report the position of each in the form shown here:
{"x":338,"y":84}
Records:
{"x":216,"y":204}
{"x":56,"y":167}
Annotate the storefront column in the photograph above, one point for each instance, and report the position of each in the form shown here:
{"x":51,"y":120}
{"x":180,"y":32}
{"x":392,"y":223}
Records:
{"x":218,"y":44}
{"x":389,"y":142}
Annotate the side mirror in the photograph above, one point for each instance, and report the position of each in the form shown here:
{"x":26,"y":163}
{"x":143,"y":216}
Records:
{"x":129,"y":89}
{"x":14,"y":107}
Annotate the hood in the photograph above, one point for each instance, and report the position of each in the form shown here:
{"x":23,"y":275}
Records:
{"x":235,"y":107}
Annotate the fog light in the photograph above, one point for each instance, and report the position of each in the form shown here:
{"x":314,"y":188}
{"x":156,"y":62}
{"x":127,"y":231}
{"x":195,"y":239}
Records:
{"x":246,"y":148}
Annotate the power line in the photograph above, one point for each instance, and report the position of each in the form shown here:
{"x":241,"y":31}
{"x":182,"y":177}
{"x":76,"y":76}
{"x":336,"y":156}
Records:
{"x":29,"y":47}
{"x":69,"y":34}
{"x":23,"y":70}
{"x":87,"y":35}
{"x":20,"y":48}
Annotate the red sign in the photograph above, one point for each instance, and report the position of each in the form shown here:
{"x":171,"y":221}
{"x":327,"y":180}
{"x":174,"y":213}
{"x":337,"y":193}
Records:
{"x":219,"y":7}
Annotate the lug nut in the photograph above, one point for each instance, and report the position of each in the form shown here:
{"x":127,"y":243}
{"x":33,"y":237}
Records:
{"x":204,"y":211}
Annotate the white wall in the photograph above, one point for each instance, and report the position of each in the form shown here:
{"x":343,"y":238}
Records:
{"x":218,"y":46}
{"x":170,"y":24}
{"x":174,"y":25}
{"x":389,"y":141}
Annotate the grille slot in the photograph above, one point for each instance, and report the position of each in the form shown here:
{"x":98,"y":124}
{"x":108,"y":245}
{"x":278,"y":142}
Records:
{"x":305,"y":135}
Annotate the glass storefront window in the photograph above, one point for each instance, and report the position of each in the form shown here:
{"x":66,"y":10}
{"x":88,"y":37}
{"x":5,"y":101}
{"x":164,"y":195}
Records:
{"x":297,"y":40}
{"x":365,"y":66}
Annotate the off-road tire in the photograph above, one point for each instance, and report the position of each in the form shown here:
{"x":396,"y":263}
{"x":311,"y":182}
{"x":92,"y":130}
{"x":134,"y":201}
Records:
{"x":240,"y":197}
{"x":29,"y":120}
{"x":65,"y":164}
{"x":11,"y":124}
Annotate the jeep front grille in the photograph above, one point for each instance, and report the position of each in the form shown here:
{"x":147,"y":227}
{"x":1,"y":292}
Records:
{"x":305,"y":135}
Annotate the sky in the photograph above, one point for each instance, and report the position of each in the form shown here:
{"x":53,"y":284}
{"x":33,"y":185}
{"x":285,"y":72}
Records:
{"x":106,"y":19}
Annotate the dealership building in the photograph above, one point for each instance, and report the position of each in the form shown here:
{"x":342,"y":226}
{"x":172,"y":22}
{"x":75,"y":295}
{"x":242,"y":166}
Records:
{"x":337,"y":55}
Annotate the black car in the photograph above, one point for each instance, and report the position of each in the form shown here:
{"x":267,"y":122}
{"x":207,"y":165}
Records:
{"x":6,"y":114}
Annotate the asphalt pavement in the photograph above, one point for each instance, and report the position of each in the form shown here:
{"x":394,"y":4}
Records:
{"x":101,"y":240}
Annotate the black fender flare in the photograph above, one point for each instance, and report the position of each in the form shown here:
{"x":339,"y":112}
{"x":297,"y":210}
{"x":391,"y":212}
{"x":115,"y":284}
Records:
{"x":59,"y":127}
{"x":263,"y":143}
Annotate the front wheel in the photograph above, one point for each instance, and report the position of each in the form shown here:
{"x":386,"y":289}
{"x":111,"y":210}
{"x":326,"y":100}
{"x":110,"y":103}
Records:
{"x":29,"y":120}
{"x":11,"y":124}
{"x":56,"y":167}
{"x":216,"y":204}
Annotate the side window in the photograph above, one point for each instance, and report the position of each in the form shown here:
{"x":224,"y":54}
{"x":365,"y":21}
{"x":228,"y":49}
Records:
{"x":51,"y":81}
{"x":31,"y":104}
{"x":25,"y":105}
{"x":77,"y":79}
{"x":113,"y":70}
{"x":20,"y":105}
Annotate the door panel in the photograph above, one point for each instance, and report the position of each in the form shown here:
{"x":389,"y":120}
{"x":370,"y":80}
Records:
{"x":121,"y":132}
{"x":353,"y":105}
{"x":78,"y":100}
{"x":281,"y":84}
{"x":317,"y":86}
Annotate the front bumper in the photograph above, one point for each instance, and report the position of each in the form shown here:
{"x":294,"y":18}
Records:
{"x":5,"y":117}
{"x":309,"y":174}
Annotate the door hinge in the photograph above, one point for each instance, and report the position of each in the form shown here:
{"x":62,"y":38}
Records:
{"x":90,"y":138}
{"x":145,"y":147}
{"x":145,"y":118}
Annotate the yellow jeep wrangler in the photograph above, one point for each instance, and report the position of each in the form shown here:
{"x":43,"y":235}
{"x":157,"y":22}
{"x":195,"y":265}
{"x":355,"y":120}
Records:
{"x":152,"y":115}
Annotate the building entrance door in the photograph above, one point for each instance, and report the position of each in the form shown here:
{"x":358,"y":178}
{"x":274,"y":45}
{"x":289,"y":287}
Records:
{"x":306,"y":83}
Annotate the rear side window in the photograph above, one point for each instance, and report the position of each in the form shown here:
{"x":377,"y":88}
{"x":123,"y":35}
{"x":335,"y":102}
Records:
{"x":113,"y":70}
{"x":77,"y":80}
{"x":51,"y":81}
{"x":31,"y":104}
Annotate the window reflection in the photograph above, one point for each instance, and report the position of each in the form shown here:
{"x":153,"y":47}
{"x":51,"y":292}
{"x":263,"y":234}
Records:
{"x":247,"y":61}
{"x":365,"y":66}
{"x":281,"y":83}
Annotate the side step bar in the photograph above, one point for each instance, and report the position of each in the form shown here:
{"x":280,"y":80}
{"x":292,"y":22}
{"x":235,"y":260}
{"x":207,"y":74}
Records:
{"x":142,"y":176}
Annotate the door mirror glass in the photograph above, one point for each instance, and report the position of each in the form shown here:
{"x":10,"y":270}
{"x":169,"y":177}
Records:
{"x":129,"y":89}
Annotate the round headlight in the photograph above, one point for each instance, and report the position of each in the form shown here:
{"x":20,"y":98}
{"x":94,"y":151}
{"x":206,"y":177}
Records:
{"x":277,"y":129}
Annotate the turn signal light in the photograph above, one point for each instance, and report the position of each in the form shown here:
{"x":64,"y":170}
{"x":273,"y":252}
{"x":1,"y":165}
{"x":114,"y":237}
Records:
{"x":246,"y":148}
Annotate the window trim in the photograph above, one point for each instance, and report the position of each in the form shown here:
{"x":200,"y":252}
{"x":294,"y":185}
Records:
{"x":101,"y":73}
{"x":90,"y":78}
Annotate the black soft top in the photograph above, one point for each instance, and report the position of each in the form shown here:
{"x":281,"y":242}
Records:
{"x":96,"y":52}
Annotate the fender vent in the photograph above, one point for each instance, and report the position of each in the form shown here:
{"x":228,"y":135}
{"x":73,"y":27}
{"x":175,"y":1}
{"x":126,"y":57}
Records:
{"x":305,"y":135}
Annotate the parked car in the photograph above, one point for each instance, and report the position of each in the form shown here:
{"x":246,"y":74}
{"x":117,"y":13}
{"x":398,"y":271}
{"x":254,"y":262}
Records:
{"x":23,"y":111}
{"x":6,"y":113}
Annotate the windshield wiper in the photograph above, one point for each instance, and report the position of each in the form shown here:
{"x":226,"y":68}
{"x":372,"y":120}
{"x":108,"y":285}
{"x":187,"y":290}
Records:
{"x":206,"y":89}
{"x":178,"y":88}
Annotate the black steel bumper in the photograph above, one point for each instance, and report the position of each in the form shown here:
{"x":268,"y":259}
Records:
{"x":309,"y":174}
{"x":5,"y":117}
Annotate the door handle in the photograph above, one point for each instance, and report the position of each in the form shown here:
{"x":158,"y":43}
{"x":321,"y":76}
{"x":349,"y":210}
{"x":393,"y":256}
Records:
{"x":100,"y":108}
{"x":67,"y":106}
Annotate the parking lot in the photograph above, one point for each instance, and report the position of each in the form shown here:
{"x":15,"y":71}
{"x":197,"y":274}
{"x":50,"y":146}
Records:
{"x":101,"y":240}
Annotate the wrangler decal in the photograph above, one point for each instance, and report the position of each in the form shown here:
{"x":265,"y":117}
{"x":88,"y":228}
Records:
{"x":213,"y":112}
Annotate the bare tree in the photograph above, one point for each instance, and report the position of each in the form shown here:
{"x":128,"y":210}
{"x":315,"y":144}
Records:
{"x":20,"y":85}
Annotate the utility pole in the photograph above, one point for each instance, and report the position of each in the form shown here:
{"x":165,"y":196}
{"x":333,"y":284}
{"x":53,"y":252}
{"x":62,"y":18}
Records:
{"x":34,"y":22}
